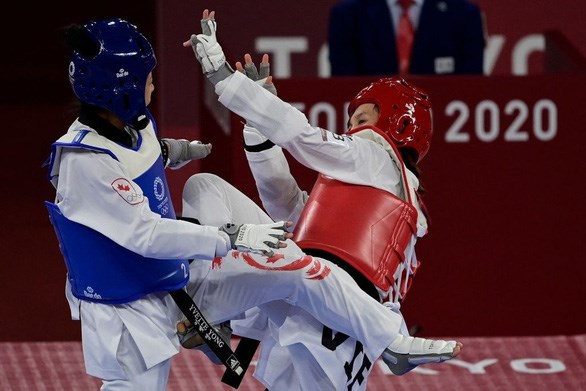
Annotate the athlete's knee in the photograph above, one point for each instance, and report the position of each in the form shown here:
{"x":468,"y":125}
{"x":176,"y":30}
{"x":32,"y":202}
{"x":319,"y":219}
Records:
{"x":201,"y":182}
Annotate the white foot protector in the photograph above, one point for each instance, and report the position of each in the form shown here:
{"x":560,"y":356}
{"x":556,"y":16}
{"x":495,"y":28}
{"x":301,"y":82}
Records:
{"x":406,"y":353}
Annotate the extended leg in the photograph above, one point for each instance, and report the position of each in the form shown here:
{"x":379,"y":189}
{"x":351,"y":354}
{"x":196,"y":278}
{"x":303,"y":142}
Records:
{"x":244,"y":280}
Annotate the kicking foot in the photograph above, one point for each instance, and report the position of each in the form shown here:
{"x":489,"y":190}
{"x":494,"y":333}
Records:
{"x":190,"y":339}
{"x":406,"y":353}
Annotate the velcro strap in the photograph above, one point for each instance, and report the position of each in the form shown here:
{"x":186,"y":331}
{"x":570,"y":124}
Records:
{"x":259,"y":147}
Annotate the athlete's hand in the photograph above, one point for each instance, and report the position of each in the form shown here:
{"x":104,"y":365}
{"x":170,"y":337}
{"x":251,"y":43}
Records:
{"x":181,"y":152}
{"x":258,"y":237}
{"x":262,"y":75}
{"x":208,"y":51}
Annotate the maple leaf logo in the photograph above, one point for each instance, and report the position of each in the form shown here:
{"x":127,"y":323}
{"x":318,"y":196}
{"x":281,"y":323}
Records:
{"x":123,"y":187}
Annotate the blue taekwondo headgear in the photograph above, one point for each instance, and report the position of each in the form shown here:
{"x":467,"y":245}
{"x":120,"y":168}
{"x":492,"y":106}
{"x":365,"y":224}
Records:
{"x":115,"y":78}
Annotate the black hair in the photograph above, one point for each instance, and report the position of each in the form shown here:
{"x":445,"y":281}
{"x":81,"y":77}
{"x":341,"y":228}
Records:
{"x":78,"y":39}
{"x":409,"y":156}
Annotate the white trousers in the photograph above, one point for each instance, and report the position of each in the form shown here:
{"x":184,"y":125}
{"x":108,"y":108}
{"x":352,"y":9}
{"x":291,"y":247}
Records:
{"x":242,"y":281}
{"x":138,"y":377}
{"x":227,"y":287}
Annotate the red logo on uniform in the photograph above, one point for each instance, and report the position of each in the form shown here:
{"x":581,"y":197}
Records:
{"x":124,"y":188}
{"x":217,"y":263}
{"x":315,"y":270}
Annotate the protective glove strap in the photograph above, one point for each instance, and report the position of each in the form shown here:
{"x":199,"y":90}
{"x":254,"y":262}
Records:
{"x":222,"y":73}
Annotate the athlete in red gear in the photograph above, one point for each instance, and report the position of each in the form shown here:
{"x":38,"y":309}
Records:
{"x":297,"y":351}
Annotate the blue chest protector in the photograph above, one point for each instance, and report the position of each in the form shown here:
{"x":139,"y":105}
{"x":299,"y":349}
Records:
{"x":98,"y":269}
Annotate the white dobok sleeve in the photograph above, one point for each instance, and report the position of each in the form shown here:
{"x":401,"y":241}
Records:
{"x":85,"y":195}
{"x":346,"y":158}
{"x":280,"y":195}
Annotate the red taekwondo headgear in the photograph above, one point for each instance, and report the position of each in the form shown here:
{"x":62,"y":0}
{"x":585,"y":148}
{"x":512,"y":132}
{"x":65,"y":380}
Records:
{"x":405,"y":113}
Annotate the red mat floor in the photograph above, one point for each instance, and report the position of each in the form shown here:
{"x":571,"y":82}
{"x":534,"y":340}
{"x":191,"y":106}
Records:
{"x":495,"y":363}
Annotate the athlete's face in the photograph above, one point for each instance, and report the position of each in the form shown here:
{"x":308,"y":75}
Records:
{"x":148,"y":89}
{"x":365,"y":114}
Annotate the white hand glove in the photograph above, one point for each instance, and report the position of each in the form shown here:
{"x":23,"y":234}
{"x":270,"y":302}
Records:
{"x":261,"y":75}
{"x":256,"y":237}
{"x":181,"y":152}
{"x":209,"y":52}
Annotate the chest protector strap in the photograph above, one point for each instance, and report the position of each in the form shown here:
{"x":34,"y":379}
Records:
{"x":368,"y":228}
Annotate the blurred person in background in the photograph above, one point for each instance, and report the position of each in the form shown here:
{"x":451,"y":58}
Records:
{"x":401,"y":37}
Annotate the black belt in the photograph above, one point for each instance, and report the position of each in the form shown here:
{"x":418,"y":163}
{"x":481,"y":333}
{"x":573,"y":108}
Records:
{"x":235,"y":368}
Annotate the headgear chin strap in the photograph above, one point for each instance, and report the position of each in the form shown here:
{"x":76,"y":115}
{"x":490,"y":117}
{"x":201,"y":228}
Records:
{"x":115,"y":78}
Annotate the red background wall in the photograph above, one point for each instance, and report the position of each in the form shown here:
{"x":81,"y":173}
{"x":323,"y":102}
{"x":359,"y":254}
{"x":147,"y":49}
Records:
{"x":503,"y":256}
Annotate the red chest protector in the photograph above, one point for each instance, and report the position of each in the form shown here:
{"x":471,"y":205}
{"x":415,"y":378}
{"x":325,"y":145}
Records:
{"x":366,"y":227}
